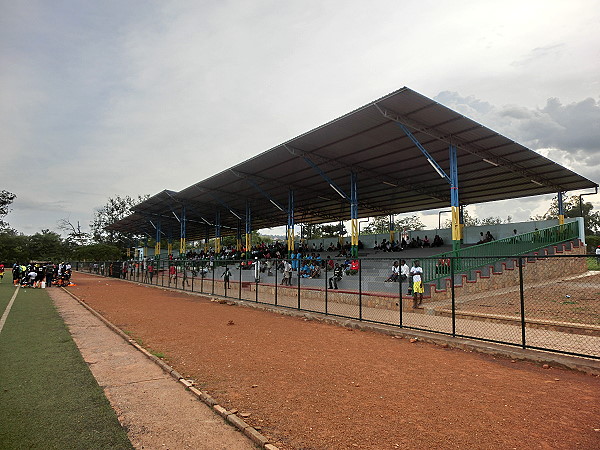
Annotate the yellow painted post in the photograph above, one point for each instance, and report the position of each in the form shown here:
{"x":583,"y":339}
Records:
{"x":218,"y":245}
{"x":182,"y":246}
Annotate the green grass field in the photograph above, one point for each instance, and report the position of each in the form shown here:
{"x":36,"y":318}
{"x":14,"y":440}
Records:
{"x":48,"y":396}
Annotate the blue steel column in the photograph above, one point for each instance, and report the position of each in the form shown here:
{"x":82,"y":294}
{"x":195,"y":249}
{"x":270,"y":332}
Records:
{"x":454,"y":202}
{"x":206,"y":239}
{"x":218,"y":233}
{"x":354,"y":213}
{"x":238,"y":237}
{"x":290,"y":224}
{"x":248,"y":230}
{"x":392,"y":229}
{"x":561,"y":209}
{"x":182,"y":232}
{"x":157,"y":245}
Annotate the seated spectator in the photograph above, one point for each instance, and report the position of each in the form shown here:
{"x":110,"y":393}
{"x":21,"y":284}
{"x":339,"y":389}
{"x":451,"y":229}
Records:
{"x":337,"y":276}
{"x":395,"y":272}
{"x":426,"y":242}
{"x":437,"y":241}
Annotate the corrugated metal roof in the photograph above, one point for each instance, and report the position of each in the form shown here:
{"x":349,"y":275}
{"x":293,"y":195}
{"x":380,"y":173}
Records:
{"x":393,"y":175}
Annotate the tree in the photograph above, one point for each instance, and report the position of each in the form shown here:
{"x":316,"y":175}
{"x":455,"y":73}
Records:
{"x":470,"y":221}
{"x":74,"y":233}
{"x":115,"y":209}
{"x":381,"y":224}
{"x":6,"y":199}
{"x":97,"y":252}
{"x":571,"y":209}
{"x":334,"y":230}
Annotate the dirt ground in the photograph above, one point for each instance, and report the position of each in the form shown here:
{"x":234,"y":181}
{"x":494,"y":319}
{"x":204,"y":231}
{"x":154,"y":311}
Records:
{"x":310,"y":385}
{"x":575,"y":300}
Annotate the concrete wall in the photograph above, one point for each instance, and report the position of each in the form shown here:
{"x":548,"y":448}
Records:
{"x":471,"y":234}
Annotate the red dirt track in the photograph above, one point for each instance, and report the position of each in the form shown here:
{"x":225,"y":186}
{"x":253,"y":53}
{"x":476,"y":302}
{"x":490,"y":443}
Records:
{"x":310,"y":385}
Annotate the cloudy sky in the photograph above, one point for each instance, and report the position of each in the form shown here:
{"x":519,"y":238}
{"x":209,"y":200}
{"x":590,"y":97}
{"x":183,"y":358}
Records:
{"x":131,"y":97}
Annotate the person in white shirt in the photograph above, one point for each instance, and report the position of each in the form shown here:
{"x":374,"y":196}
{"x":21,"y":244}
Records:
{"x":598,"y":254}
{"x":416,"y":271}
{"x":395,"y":272}
{"x":404,"y":270}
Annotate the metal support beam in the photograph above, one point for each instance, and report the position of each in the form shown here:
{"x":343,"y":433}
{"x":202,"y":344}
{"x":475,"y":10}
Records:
{"x":182,"y":232}
{"x":454,"y":200}
{"x":238,"y":237}
{"x":430,"y":159}
{"x":290,"y":224}
{"x":218,"y":232}
{"x":218,"y":200}
{"x":465,"y":145}
{"x":354,"y":213}
{"x":392,"y":229}
{"x":158,"y":237}
{"x":207,"y":239}
{"x":561,"y":209}
{"x":248,"y":229}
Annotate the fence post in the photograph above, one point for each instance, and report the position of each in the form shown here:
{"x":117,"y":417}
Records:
{"x":453,"y":296}
{"x":326,"y":285}
{"x":240,"y":279}
{"x":298,"y":274}
{"x":522,"y":295}
{"x":214,"y":261}
{"x":400,"y":295}
{"x":276,"y":268}
{"x":359,"y":289}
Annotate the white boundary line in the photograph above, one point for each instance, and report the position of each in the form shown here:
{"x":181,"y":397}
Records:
{"x":7,"y":310}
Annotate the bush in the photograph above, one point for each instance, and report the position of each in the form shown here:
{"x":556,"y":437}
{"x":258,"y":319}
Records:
{"x":592,"y":243}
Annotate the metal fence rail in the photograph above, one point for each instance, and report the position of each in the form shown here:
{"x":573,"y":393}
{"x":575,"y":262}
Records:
{"x":481,"y":255}
{"x":548,"y":302}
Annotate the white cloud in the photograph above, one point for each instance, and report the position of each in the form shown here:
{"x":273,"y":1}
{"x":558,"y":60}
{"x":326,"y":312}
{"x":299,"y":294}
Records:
{"x":130,"y":98}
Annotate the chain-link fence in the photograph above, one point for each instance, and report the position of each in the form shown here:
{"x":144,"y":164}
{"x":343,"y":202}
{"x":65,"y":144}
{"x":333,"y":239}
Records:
{"x":549,"y":302}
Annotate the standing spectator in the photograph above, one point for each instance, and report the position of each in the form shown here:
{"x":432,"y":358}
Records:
{"x":172,"y":273}
{"x":16,"y":273}
{"x":404,"y":270}
{"x":150,"y":271}
{"x":256,"y":269}
{"x":287,"y":273}
{"x":1,"y":272}
{"x":49,"y":274}
{"x":338,"y":272}
{"x":598,"y":254}
{"x":226,"y":275}
{"x":395,"y":272}
{"x":416,"y":271}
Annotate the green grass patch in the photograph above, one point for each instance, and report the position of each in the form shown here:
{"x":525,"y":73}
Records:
{"x":158,"y":354}
{"x":592,"y":263}
{"x":48,"y":396}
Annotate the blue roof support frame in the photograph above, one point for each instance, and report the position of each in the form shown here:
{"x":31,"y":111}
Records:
{"x":218,"y":232}
{"x":218,"y":200}
{"x":354,"y":212}
{"x":290,"y":225}
{"x":248,"y":228}
{"x":430,"y":159}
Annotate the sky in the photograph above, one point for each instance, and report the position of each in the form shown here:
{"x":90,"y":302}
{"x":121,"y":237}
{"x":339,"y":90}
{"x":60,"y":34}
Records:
{"x":128,"y":97}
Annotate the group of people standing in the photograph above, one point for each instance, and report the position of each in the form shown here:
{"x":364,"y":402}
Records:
{"x":401,"y":272}
{"x":38,"y":275}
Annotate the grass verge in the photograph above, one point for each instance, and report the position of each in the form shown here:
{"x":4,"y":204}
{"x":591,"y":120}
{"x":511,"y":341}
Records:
{"x":49,"y":397}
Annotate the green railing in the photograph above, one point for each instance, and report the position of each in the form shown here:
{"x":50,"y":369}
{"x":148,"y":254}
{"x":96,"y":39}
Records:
{"x":481,"y":255}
